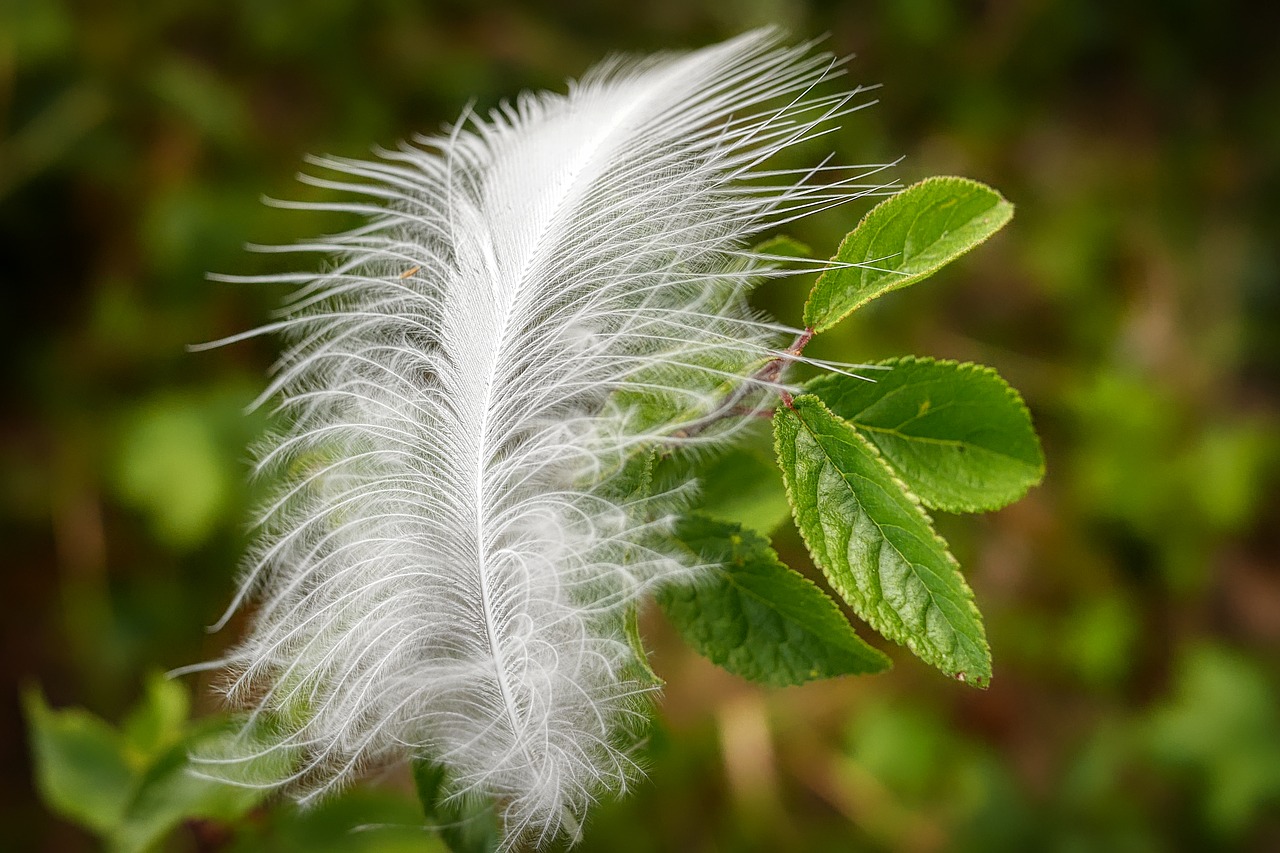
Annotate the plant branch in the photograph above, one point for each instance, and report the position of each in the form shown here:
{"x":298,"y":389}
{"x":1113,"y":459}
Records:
{"x":769,"y":372}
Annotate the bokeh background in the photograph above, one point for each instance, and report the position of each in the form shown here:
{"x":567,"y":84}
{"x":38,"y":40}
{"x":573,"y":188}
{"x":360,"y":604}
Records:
{"x":1132,"y":601}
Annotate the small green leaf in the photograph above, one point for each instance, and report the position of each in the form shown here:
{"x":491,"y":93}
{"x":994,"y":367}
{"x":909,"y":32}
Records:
{"x":904,"y":239}
{"x":958,"y":434}
{"x":757,"y":618}
{"x":633,"y":478}
{"x":80,"y":766}
{"x":875,"y":544}
{"x":783,"y":246}
{"x":466,"y":823}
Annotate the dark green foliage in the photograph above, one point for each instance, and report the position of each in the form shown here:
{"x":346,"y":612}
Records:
{"x":757,"y":618}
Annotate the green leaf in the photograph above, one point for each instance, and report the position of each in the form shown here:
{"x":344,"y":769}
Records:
{"x":170,"y":793}
{"x":875,"y":544}
{"x":958,"y":434}
{"x":467,"y":823}
{"x":158,"y":720}
{"x":364,"y":819}
{"x":632,"y":479}
{"x":783,"y":246}
{"x":744,"y":486}
{"x":902,"y":240}
{"x":757,"y":618}
{"x":80,"y":766}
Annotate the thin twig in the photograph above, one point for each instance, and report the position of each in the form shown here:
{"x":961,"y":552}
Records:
{"x":769,"y":372}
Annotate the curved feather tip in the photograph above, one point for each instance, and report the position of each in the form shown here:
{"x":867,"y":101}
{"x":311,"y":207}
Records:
{"x":534,"y":299}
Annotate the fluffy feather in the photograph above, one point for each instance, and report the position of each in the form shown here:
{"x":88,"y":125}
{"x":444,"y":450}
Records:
{"x":534,"y":299}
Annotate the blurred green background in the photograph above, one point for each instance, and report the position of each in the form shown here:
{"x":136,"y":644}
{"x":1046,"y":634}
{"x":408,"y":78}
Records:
{"x":1132,"y":601}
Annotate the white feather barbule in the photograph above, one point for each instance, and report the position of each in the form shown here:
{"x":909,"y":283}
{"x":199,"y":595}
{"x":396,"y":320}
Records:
{"x":445,"y":570}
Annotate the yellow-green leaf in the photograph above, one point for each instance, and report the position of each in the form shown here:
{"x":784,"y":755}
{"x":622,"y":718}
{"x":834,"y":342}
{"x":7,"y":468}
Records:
{"x":902,"y":240}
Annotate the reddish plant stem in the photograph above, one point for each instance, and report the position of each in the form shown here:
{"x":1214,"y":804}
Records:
{"x":769,"y":372}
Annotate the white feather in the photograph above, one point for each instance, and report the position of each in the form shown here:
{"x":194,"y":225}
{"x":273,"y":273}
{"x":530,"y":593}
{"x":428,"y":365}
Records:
{"x":445,"y":570}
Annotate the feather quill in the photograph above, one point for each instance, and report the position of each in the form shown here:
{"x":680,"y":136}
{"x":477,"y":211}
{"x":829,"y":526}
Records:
{"x":534,"y":299}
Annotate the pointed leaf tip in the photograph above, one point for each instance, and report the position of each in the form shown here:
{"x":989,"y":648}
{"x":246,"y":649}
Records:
{"x":875,"y":543}
{"x":905,"y":239}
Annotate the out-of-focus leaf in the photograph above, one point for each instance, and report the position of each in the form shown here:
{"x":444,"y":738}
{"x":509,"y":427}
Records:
{"x":466,"y":823}
{"x":783,"y":246}
{"x":212,"y":105}
{"x":159,"y":719}
{"x":171,"y":467}
{"x":1223,"y":724}
{"x":904,"y":746}
{"x":1097,"y":640}
{"x":744,"y":486}
{"x":38,"y":30}
{"x":80,"y":765}
{"x":1225,"y":472}
{"x":171,"y":793}
{"x":875,"y":544}
{"x":757,"y":618}
{"x":958,"y":434}
{"x":904,"y":239}
{"x":133,"y":788}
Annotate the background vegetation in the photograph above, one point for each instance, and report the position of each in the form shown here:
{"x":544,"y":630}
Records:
{"x":1132,"y":601}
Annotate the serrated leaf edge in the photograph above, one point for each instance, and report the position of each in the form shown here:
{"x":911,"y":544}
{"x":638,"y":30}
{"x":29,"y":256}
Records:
{"x":966,"y":590}
{"x":811,"y":322}
{"x":719,"y":660}
{"x":972,"y":367}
